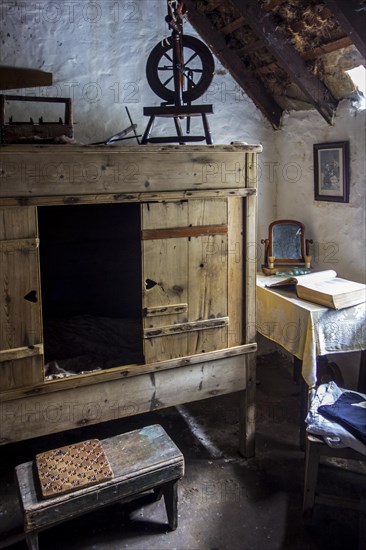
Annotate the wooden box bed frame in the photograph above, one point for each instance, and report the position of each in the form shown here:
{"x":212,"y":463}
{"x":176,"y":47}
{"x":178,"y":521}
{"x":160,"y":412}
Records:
{"x":198,"y":209}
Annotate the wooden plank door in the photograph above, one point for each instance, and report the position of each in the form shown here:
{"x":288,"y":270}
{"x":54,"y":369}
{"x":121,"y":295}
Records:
{"x":21,"y":349}
{"x":185,"y":277}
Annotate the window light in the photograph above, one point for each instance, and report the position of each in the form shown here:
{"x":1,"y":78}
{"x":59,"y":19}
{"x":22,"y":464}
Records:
{"x":358,"y":76}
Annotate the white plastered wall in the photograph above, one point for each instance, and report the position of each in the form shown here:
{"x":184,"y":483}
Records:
{"x":338,"y":229}
{"x":97,"y":52}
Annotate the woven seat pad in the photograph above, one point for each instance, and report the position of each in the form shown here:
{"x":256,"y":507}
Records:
{"x":72,"y":467}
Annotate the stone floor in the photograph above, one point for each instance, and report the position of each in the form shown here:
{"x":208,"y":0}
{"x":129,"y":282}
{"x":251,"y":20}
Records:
{"x":225,"y":501}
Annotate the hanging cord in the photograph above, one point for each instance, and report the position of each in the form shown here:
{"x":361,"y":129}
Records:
{"x":174,"y":19}
{"x":173,"y":7}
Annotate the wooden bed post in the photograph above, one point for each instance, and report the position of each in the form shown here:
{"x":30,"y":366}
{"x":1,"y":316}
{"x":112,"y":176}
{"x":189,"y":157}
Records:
{"x":247,"y":402}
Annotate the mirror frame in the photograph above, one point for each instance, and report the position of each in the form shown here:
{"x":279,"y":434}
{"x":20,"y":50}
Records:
{"x":299,"y":260}
{"x":283,"y":264}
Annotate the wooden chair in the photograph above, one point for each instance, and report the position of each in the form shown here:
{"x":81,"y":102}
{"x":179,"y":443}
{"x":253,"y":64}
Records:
{"x":315,"y":449}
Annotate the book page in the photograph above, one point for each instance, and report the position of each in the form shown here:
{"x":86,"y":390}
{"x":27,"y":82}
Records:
{"x":278,"y":280}
{"x":317,"y":276}
{"x":333,"y":286}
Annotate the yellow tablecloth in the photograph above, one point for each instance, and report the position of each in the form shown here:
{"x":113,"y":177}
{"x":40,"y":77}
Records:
{"x":307,"y":330}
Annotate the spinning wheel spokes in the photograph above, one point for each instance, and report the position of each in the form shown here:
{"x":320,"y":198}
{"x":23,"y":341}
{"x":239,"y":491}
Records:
{"x":195,"y":54}
{"x":168,"y":80}
{"x":179,"y":70}
{"x":168,"y":57}
{"x":196,"y":72}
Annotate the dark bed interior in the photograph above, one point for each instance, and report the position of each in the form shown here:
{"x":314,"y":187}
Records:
{"x":90,"y":258}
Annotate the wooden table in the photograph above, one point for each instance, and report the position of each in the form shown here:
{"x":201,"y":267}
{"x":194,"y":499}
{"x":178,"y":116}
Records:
{"x":308,"y":331}
{"x":142,"y":460}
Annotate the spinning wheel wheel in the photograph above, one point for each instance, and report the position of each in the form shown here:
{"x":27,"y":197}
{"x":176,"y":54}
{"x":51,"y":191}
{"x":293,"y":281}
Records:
{"x":179,"y":70}
{"x":193,"y":72}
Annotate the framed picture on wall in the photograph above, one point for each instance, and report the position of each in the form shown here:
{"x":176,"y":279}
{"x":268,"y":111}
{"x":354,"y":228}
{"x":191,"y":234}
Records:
{"x":331,"y":171}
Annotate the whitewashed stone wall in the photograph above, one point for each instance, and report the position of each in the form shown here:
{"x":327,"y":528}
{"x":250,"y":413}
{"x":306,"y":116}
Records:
{"x":97,"y":52}
{"x":338,"y":229}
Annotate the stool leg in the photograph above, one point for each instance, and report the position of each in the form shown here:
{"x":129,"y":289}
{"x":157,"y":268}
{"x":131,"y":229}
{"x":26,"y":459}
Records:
{"x":178,"y":129}
{"x":158,"y":492}
{"x":362,"y":524}
{"x":311,"y":476}
{"x":207,"y":129}
{"x":304,"y":393}
{"x":170,"y":492}
{"x":361,"y":387}
{"x":32,"y":541}
{"x":145,"y":137}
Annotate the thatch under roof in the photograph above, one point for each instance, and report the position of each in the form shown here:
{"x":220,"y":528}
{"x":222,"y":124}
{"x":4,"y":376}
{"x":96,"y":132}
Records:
{"x":286,"y":54}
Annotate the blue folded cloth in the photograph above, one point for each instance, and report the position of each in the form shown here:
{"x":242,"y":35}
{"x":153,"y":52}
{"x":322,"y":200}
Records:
{"x":349,"y":411}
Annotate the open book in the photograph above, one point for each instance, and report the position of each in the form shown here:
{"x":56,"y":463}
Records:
{"x":325,"y":288}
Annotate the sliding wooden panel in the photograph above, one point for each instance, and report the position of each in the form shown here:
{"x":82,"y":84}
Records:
{"x":164,"y":274}
{"x":21,"y":349}
{"x":185,"y":276}
{"x":208,"y":275}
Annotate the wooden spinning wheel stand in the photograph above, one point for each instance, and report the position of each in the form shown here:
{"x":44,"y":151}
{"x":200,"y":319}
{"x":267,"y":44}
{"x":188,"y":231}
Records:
{"x":179,"y":70}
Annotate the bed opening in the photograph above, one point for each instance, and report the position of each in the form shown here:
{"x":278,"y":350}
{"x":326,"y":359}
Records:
{"x":90,"y":261}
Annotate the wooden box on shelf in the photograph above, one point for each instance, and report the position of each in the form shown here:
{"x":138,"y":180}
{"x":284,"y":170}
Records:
{"x":35,"y":132}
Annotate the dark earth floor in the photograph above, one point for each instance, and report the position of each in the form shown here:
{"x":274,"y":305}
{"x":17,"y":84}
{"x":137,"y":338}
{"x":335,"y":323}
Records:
{"x":225,"y":501}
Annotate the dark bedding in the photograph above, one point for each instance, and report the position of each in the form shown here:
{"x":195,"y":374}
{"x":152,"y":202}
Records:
{"x":86,"y":343}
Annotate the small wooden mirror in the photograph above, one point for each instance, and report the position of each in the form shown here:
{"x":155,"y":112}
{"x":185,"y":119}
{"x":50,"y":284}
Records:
{"x":286,"y":247}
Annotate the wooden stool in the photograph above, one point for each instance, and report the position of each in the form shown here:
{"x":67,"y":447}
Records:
{"x":177,"y":112}
{"x":141,"y":461}
{"x":316,"y":448}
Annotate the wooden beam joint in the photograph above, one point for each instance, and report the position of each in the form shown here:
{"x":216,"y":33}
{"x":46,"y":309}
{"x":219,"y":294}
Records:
{"x":351,"y":15}
{"x":246,"y":78}
{"x":279,"y":45}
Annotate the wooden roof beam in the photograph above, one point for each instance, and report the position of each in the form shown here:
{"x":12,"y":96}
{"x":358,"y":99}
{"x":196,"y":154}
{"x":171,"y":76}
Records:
{"x":212,"y":5}
{"x":12,"y":78}
{"x":251,"y":48}
{"x":246,"y":79}
{"x":233,"y":26}
{"x":265,"y":27}
{"x":311,"y":54}
{"x":271,"y":4}
{"x":351,"y":15}
{"x":328,"y":47}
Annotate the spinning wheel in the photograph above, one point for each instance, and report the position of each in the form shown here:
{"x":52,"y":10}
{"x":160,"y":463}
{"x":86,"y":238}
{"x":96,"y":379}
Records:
{"x":179,"y":70}
{"x":194,"y":69}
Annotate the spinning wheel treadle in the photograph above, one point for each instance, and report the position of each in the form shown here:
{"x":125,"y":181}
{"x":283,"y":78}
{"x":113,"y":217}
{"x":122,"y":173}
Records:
{"x":72,"y":467}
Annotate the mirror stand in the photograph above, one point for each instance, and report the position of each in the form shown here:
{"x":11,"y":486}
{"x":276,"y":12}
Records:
{"x":286,"y":248}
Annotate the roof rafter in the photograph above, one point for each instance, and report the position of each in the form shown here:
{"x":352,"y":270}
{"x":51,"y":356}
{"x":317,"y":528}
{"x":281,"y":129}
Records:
{"x":328,"y":47}
{"x":312,"y":54}
{"x":232,"y":26}
{"x":265,"y":27}
{"x":213,"y":5}
{"x":246,"y":79}
{"x":351,"y":15}
{"x":250,"y":48}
